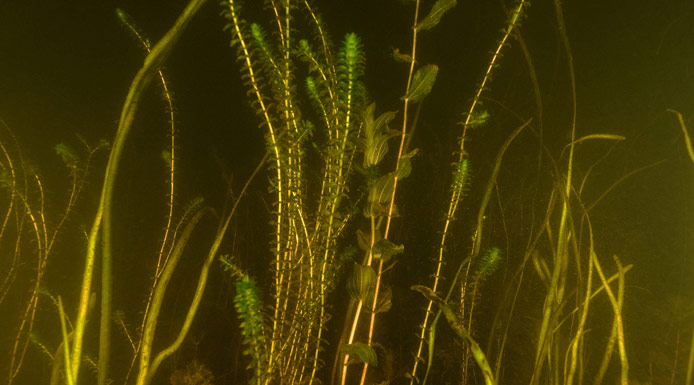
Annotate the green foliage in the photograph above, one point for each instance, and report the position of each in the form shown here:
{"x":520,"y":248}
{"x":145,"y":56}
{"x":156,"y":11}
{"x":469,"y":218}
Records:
{"x":314,"y":95}
{"x":361,"y":282}
{"x":458,"y":326}
{"x":405,"y":165}
{"x":349,"y":69}
{"x":306,"y":224}
{"x":384,"y":301}
{"x":248,"y":307}
{"x":478,"y":118}
{"x":68,"y":155}
{"x":264,"y":49}
{"x":401,"y":57}
{"x":363,"y":352}
{"x":166,"y":157}
{"x":376,"y":135}
{"x":351,"y":60}
{"x":517,"y":14}
{"x":231,"y":268}
{"x":422,"y":82}
{"x":127,"y":21}
{"x":363,"y":240}
{"x":385,"y":250}
{"x":461,"y":176}
{"x":439,"y":8}
{"x":381,"y":191}
{"x":488,"y":264}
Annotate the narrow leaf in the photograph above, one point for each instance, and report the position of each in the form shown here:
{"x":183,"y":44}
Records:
{"x":363,"y":240}
{"x":422,"y":81}
{"x":376,"y":151}
{"x":439,"y":8}
{"x":405,"y":165}
{"x":382,"y":190}
{"x":364,"y":352}
{"x":401,"y":57}
{"x":381,"y":123}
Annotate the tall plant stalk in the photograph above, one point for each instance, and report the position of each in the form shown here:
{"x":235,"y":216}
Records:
{"x":22,"y":211}
{"x":305,"y":230}
{"x":104,"y":211}
{"x":458,"y":187}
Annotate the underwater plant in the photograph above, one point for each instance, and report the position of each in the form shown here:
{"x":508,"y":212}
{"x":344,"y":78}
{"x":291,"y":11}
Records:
{"x":25,"y":216}
{"x":344,"y":294}
{"x":194,"y":373}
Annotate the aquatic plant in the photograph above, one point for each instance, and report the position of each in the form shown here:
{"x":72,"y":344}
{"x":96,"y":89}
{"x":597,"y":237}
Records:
{"x":690,"y":361}
{"x":194,"y":373}
{"x":26,"y":216}
{"x":336,"y":166}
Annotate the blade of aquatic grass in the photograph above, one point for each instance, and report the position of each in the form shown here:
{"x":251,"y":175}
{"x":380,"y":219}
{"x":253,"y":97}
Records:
{"x":687,"y":139}
{"x":153,"y":61}
{"x":69,"y":379}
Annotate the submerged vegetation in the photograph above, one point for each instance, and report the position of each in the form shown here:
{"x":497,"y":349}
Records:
{"x":507,"y":285}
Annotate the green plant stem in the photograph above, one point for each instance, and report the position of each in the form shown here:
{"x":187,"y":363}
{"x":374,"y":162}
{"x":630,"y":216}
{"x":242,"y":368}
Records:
{"x":152,"y":318}
{"x":401,"y":150}
{"x":477,"y":239}
{"x":690,"y":362}
{"x":457,"y":190}
{"x":69,"y":378}
{"x":152,"y":63}
{"x":460,"y":330}
{"x":687,"y":139}
{"x":556,"y":289}
{"x":577,"y":340}
{"x":616,"y":302}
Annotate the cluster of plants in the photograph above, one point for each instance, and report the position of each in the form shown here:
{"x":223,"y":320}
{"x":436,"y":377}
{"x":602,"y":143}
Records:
{"x":500,"y":300}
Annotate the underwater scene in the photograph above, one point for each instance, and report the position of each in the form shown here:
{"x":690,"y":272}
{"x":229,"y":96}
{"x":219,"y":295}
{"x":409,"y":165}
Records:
{"x":346,"y":192}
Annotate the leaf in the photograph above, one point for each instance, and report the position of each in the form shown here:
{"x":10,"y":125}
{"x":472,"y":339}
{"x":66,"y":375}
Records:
{"x":363,"y":240}
{"x":382,"y":190}
{"x":489,"y":263}
{"x":381,"y":123}
{"x":361,"y":281}
{"x":439,"y":8}
{"x":374,"y":209}
{"x":376,"y":135}
{"x":364,"y":352}
{"x":428,"y":293}
{"x":368,"y":119}
{"x":385,"y":249}
{"x":422,"y":81}
{"x":376,"y":151}
{"x":401,"y":57}
{"x":384,"y":301}
{"x":594,"y":136}
{"x":405,"y":165}
{"x":478,"y":119}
